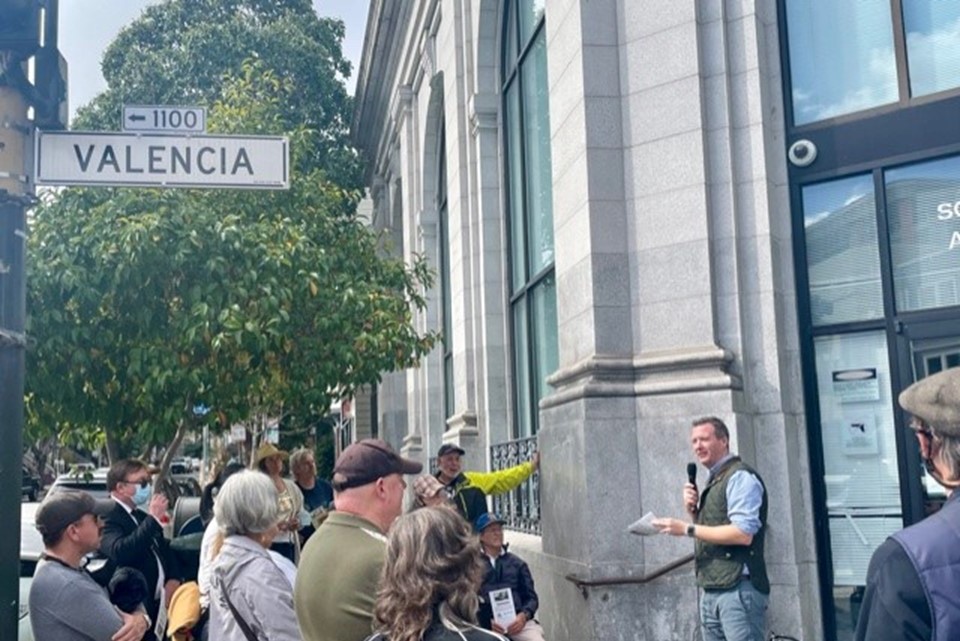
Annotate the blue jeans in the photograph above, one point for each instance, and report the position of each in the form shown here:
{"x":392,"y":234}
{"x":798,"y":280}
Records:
{"x":736,"y":614}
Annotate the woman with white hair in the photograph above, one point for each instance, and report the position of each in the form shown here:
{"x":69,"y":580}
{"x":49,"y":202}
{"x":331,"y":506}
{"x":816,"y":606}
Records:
{"x":429,"y":583}
{"x":250,"y":599}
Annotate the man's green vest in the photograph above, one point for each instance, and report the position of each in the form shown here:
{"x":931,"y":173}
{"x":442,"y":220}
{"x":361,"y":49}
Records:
{"x":720,"y":566}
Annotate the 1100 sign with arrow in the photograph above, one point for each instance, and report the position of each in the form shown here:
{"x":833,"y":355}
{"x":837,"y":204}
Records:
{"x":162,"y":118}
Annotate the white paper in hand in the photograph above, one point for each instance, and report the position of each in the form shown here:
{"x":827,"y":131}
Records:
{"x":644,"y":526}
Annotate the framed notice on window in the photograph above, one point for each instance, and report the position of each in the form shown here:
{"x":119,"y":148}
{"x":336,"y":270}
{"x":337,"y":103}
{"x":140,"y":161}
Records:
{"x":856,"y":385}
{"x":859,"y":437}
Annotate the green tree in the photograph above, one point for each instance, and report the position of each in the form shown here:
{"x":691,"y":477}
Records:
{"x":145,"y":302}
{"x":180,"y":52}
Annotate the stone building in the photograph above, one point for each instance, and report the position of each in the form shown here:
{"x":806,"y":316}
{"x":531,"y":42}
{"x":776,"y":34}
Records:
{"x":644,"y":211}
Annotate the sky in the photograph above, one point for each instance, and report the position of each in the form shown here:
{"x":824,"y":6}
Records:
{"x":88,"y":26}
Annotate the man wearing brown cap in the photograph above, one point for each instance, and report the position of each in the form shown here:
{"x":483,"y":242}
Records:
{"x":913,"y":582}
{"x":340,"y":565}
{"x":66,"y":604}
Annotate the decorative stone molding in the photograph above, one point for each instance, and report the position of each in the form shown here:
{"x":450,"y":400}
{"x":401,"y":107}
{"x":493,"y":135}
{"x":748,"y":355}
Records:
{"x":402,"y":103}
{"x":428,"y":58}
{"x":462,"y":431}
{"x":482,"y":108}
{"x":462,"y":424}
{"x":670,"y":372}
{"x":412,"y":446}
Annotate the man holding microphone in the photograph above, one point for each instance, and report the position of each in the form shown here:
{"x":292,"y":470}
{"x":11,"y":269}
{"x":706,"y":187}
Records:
{"x":729,"y":524}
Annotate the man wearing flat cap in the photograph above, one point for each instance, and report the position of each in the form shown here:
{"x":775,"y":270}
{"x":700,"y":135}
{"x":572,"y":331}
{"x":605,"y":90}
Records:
{"x":340,"y":565}
{"x":913,"y":582}
{"x":469,"y":490}
{"x":66,"y":604}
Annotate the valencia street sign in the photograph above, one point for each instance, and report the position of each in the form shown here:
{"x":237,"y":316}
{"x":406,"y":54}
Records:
{"x":161,"y":160}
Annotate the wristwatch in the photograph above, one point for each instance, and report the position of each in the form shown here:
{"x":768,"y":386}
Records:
{"x":692,"y":530}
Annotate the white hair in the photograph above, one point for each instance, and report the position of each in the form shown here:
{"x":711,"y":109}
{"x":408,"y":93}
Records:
{"x":247,"y":504}
{"x":298,"y":456}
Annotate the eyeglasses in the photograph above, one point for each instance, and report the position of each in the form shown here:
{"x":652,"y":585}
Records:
{"x":919,"y":428}
{"x":143,"y":483}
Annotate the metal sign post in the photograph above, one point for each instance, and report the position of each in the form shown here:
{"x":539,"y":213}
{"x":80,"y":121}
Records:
{"x":14,"y":134}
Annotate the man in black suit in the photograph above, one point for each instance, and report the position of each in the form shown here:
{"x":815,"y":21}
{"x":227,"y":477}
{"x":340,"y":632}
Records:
{"x":134,"y":538}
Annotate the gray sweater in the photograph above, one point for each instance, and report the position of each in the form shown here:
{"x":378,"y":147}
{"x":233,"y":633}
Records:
{"x":68,"y":605}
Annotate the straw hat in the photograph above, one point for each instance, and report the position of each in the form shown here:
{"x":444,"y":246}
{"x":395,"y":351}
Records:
{"x":268,"y":450}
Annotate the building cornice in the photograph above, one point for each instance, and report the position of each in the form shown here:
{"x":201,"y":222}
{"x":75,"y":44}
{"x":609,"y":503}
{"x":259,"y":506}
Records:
{"x":670,"y":372}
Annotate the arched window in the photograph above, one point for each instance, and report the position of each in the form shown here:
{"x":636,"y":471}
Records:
{"x":533,"y":298}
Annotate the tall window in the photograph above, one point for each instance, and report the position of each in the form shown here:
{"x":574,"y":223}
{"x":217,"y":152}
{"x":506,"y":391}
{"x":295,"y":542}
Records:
{"x":448,"y":398}
{"x":851,"y":56}
{"x":533,"y":299}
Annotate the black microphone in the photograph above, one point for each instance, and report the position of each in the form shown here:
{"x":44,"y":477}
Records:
{"x":692,"y":478}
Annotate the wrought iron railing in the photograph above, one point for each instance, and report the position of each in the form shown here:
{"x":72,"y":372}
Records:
{"x":519,"y":508}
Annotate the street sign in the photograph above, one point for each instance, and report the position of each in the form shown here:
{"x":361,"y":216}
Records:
{"x":157,"y":160}
{"x":158,"y":118}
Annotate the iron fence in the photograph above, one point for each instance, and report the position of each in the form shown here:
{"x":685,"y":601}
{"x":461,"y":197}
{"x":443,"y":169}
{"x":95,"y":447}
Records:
{"x":519,"y":508}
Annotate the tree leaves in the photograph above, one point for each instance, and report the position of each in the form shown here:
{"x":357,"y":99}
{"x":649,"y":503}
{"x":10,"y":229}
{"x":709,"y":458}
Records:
{"x":144,"y":302}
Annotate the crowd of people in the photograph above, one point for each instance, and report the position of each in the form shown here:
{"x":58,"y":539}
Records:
{"x":287,"y":559}
{"x":303,"y":560}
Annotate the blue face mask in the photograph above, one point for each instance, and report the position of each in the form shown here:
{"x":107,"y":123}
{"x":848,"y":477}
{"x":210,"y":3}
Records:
{"x":142,"y":495}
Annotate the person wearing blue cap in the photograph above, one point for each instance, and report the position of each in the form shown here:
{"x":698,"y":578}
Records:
{"x":506,"y":571}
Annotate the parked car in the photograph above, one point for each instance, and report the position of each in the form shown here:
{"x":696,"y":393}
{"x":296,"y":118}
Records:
{"x":94,"y":482}
{"x":31,"y":546}
{"x":30,"y":487}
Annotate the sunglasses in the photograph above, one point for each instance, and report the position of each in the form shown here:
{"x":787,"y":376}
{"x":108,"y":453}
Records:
{"x":96,"y":518}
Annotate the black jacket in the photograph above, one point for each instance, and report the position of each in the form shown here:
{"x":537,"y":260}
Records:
{"x":129,"y":544}
{"x":470,"y":500}
{"x":510,"y":572}
{"x":437,"y":632}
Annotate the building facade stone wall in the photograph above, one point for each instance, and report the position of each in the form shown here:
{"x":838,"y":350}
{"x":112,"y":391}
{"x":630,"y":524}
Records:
{"x":674,"y":271}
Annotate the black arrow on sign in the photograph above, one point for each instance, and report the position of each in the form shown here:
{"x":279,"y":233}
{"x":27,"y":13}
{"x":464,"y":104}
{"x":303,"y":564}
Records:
{"x":136,"y":118}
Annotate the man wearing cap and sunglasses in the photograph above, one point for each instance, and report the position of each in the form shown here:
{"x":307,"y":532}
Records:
{"x":469,"y":490}
{"x":133,"y":536}
{"x":66,"y":604}
{"x":340,"y":565}
{"x":913,"y":581}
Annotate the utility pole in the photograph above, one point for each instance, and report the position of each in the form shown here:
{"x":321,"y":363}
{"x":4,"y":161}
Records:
{"x":14,"y":198}
{"x":20,"y":39}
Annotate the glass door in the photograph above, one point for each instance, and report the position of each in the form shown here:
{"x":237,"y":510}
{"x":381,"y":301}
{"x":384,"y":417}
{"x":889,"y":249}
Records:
{"x":881,"y":309}
{"x":924,"y":348}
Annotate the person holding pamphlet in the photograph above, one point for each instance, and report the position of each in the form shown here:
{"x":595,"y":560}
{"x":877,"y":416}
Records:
{"x":508,"y":600}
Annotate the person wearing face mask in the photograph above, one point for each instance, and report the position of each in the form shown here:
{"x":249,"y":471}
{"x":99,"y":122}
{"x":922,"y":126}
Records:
{"x":914,"y":576}
{"x":133,"y":536}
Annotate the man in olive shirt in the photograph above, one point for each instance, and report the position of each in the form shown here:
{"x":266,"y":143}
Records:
{"x":340,"y":564}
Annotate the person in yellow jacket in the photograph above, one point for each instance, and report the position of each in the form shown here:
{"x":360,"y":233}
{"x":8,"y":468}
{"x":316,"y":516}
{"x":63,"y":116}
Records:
{"x":469,"y":490}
